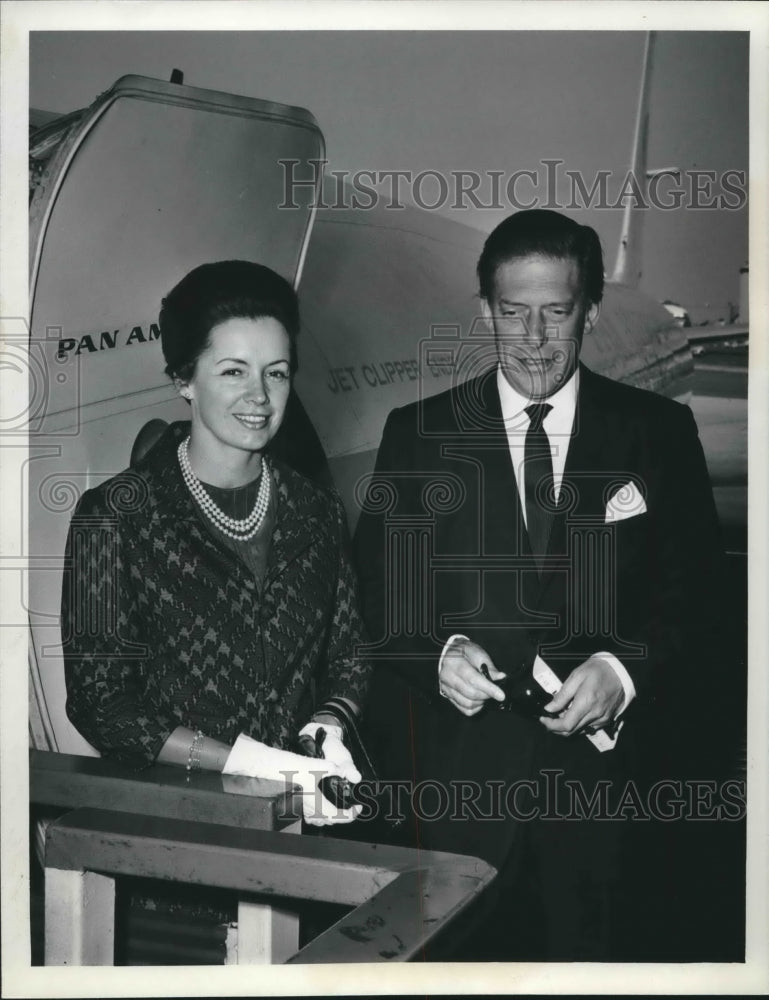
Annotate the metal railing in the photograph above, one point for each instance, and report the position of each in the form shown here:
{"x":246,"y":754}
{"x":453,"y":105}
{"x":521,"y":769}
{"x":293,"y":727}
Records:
{"x":230,"y":834}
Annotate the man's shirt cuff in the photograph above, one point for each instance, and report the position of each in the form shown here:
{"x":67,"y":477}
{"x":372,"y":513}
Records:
{"x":449,"y":642}
{"x":624,"y":677}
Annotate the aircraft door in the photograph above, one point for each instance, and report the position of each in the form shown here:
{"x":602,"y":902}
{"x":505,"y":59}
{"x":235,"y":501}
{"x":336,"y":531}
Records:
{"x":152,"y":180}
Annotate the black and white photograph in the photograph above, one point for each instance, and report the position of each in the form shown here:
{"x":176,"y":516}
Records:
{"x":384,"y":471}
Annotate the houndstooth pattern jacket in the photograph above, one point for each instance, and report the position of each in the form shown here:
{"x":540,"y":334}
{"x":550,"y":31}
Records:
{"x":162,"y":626}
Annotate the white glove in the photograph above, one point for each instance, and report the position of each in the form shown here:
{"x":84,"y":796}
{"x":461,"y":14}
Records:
{"x":256,"y":760}
{"x":334,"y":751}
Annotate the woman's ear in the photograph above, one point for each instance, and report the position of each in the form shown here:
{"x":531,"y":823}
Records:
{"x":183,"y":389}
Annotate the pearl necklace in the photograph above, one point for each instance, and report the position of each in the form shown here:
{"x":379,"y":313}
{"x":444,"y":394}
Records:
{"x":241,"y":530}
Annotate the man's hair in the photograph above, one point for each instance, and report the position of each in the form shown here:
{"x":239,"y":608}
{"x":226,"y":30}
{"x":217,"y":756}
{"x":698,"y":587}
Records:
{"x":539,"y":232}
{"x":214,"y":293}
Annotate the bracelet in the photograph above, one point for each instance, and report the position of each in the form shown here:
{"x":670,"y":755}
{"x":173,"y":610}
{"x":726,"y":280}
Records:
{"x":193,"y":760}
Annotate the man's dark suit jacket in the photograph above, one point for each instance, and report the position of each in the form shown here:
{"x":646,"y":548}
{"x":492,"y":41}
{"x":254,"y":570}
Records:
{"x":442,"y":549}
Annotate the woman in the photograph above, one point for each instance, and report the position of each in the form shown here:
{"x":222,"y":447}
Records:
{"x":211,"y":592}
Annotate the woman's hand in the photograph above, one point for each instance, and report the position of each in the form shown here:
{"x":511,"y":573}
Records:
{"x":333,"y":748}
{"x":333,"y":753}
{"x":256,"y":760}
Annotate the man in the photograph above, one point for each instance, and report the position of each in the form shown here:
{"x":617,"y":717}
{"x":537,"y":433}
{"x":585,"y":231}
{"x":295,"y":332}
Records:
{"x":535,"y":520}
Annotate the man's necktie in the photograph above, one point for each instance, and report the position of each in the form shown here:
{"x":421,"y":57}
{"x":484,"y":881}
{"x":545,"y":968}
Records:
{"x":538,"y":479}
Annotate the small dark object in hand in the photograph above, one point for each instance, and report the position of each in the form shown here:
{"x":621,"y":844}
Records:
{"x":339,"y":791}
{"x":522,"y":695}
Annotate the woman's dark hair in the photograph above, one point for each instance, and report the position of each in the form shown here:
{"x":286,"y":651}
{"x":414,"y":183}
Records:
{"x":539,"y":232}
{"x":213,"y":293}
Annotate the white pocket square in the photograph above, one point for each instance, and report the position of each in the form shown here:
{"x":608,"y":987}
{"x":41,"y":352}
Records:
{"x":626,"y":502}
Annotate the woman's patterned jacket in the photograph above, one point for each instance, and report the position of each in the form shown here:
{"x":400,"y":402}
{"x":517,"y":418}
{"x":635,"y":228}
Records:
{"x":162,"y":626}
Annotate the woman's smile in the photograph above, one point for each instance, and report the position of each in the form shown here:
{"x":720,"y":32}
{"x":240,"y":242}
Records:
{"x":253,"y":421}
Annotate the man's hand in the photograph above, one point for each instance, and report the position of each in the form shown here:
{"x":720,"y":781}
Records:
{"x":590,"y":698}
{"x":461,"y":681}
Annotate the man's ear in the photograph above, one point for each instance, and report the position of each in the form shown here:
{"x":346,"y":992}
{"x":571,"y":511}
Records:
{"x":591,"y":316}
{"x":486,"y":312}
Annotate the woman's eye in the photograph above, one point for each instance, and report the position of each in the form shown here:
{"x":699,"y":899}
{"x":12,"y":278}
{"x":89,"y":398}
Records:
{"x":232,"y":371}
{"x":278,"y":375}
